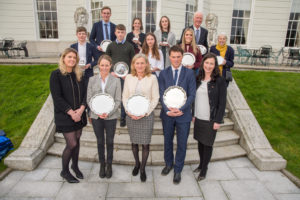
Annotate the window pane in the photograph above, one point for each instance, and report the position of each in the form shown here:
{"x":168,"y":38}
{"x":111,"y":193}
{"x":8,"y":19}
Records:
{"x":234,"y":13}
{"x":47,"y":6}
{"x":53,"y":6}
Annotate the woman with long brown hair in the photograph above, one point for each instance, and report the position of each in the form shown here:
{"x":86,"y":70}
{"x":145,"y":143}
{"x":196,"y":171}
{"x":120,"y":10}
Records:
{"x":69,"y":98}
{"x":155,"y":56}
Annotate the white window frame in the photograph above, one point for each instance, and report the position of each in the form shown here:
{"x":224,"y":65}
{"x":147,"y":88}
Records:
{"x":293,"y":20}
{"x":37,"y":26}
{"x":89,"y":10}
{"x":158,"y":14}
{"x":249,"y":33}
{"x":189,"y":11}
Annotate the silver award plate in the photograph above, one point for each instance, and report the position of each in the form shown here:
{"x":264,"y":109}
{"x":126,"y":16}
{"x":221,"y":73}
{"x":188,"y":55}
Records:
{"x":220,"y":60}
{"x":104,"y":44}
{"x":138,"y":105}
{"x":202,"y":49}
{"x":174,"y":97}
{"x":188,"y":59}
{"x":121,"y":69}
{"x":102,"y":103}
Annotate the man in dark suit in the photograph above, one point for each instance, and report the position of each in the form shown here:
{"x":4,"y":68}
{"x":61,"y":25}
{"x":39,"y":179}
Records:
{"x":173,"y":118}
{"x":87,"y":53}
{"x":103,"y":30}
{"x":200,"y":32}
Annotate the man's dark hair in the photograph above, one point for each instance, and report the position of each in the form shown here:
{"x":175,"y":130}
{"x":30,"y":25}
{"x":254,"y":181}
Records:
{"x":176,"y":48}
{"x":121,"y":27}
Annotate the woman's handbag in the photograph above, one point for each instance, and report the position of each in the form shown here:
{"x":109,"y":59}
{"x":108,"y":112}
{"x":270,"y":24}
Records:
{"x":228,"y":76}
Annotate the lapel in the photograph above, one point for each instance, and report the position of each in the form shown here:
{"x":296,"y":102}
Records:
{"x":101,"y":30}
{"x":108,"y":84}
{"x":87,"y":51}
{"x":76,"y":46}
{"x":170,"y":74}
{"x":181,"y":75}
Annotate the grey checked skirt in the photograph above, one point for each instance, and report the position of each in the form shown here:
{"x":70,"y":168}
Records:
{"x":140,"y":131}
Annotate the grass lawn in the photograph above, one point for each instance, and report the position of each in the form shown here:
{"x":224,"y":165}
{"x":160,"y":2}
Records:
{"x":23,"y":91}
{"x":274,"y":98}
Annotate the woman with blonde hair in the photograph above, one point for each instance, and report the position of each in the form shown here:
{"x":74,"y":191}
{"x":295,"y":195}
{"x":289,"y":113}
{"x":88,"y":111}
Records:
{"x":140,"y":128}
{"x":155,"y":56}
{"x":189,"y":45}
{"x":69,"y":99}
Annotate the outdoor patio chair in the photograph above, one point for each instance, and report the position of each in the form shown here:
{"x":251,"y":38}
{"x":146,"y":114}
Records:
{"x":8,"y":45}
{"x":275,"y":55}
{"x":21,"y":46}
{"x":263,"y":53}
{"x":294,"y":55}
{"x":243,"y":53}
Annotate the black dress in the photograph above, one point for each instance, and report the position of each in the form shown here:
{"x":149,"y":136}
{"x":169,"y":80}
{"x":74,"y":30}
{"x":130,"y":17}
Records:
{"x":67,"y":93}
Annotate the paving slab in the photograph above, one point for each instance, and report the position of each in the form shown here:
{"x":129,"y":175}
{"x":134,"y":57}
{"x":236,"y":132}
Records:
{"x":10,"y":181}
{"x":212,"y":190}
{"x":164,"y":186}
{"x":246,"y":190}
{"x":21,"y":198}
{"x":276,"y":181}
{"x":35,"y":189}
{"x":82,"y":191}
{"x":36,"y":175}
{"x":288,"y":196}
{"x":137,"y":190}
{"x":239,"y":162}
{"x":243,"y":173}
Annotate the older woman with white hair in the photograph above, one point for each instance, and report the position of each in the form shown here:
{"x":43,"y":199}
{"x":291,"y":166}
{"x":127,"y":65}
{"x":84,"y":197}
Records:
{"x":225,"y":51}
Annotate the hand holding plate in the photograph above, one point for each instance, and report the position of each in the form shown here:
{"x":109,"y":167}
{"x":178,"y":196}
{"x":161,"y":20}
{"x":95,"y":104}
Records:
{"x":103,"y":116}
{"x":99,"y":48}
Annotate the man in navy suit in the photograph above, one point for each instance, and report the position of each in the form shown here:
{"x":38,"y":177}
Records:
{"x":103,"y":30}
{"x":87,"y":53}
{"x":173,"y":118}
{"x":200,"y":32}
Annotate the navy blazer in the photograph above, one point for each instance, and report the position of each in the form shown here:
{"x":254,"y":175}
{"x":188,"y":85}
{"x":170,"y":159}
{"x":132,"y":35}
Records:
{"x":202,"y":39}
{"x":187,"y":82}
{"x":91,"y":57}
{"x":229,"y":57}
{"x":97,"y":36}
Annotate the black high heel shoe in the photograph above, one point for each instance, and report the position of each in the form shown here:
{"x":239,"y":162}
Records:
{"x":77,"y":172}
{"x":135,"y":170}
{"x":69,"y":177}
{"x":143,"y":176}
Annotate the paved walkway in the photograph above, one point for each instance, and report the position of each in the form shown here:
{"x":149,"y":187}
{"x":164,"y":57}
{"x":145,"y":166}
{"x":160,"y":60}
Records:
{"x":235,"y":179}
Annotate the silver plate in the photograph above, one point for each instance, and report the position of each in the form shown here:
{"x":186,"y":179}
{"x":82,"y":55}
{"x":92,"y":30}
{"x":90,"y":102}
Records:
{"x":138,"y":105}
{"x":202,"y":49}
{"x":220,"y":60}
{"x":174,"y":97}
{"x":102,"y":103}
{"x":121,"y":69}
{"x":104,"y":44}
{"x":188,"y":59}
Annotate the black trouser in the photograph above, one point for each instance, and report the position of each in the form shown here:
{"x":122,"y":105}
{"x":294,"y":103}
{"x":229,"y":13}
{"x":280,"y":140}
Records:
{"x":109,"y":126}
{"x":123,"y":113}
{"x":205,"y":153}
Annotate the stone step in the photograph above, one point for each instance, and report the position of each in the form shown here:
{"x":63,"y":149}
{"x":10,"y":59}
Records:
{"x":122,"y":141}
{"x":158,"y":130}
{"x":155,"y":157}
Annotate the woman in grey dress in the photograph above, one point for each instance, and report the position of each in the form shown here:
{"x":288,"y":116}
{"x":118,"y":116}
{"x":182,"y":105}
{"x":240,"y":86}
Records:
{"x":104,"y":82}
{"x":140,"y":128}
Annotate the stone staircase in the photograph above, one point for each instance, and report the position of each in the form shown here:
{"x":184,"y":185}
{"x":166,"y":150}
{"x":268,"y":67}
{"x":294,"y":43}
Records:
{"x":226,"y":145}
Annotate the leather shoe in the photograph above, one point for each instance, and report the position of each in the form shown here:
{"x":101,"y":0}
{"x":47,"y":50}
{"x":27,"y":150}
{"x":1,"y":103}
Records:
{"x":198,"y":169}
{"x":123,"y":122}
{"x":69,"y":177}
{"x":108,"y":171}
{"x":177,"y":178}
{"x":200,"y":177}
{"x":77,"y":172}
{"x":166,"y":170}
{"x":135,"y":170}
{"x":102,"y":171}
{"x":143,"y":176}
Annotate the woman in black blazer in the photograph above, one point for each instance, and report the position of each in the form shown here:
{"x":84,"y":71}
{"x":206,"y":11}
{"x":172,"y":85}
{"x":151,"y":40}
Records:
{"x":136,"y":37}
{"x":209,"y":109}
{"x":69,"y":99}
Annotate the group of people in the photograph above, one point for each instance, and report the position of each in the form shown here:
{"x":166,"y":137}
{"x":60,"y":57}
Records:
{"x":155,"y":62}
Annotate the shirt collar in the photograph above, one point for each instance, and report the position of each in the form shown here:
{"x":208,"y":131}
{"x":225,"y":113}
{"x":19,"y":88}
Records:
{"x":196,"y":28}
{"x":118,"y":42}
{"x":179,"y":68}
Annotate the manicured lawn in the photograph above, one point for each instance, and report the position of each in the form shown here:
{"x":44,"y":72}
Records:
{"x":274,"y":98}
{"x":23,"y":91}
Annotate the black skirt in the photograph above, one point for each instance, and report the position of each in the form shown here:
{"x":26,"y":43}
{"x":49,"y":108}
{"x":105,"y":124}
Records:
{"x":204,"y":132}
{"x":76,"y":125}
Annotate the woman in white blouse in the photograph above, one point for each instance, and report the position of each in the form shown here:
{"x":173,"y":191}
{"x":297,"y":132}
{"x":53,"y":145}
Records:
{"x":155,"y":56}
{"x":140,"y":128}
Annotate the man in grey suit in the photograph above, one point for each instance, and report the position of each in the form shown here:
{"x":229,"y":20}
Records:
{"x":200,"y":32}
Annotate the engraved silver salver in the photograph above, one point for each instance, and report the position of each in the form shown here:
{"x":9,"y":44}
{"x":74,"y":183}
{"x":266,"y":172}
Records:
{"x":220,"y":60}
{"x":138,"y":105}
{"x":188,"y":59}
{"x":104,"y":44}
{"x":102,"y":103}
{"x":202,"y":49}
{"x":174,"y":97}
{"x":121,"y":69}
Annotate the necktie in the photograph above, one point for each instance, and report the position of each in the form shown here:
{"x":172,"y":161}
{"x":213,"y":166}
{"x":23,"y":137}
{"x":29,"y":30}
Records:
{"x":197,"y":35}
{"x":106,"y":32}
{"x":176,"y":76}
